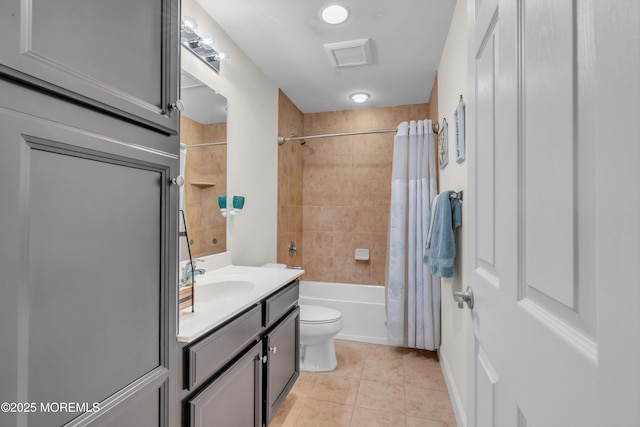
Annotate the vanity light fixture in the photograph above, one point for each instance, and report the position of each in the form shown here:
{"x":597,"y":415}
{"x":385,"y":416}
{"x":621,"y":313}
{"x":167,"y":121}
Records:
{"x":207,"y":40}
{"x":189,"y":23}
{"x":222,"y":55}
{"x":334,"y":14}
{"x":201,"y":46}
{"x":359,"y":97}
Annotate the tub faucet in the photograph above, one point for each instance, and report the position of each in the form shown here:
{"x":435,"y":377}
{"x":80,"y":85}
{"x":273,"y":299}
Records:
{"x":189,"y":273}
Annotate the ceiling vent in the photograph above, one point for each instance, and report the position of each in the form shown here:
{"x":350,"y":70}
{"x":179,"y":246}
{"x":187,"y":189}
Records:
{"x":349,"y":53}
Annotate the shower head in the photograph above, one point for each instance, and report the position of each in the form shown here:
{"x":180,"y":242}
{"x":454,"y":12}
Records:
{"x":302,"y":142}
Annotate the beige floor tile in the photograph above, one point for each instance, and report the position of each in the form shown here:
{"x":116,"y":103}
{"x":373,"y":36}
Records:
{"x":350,"y":356}
{"x":354,"y":348}
{"x":390,"y":371}
{"x":430,"y":404}
{"x":423,"y":422}
{"x":424,"y":373}
{"x":304,"y":384}
{"x":318,"y":413}
{"x":385,"y":352}
{"x":288,"y":412}
{"x":336,"y":389}
{"x":373,"y":385}
{"x":426,"y":356}
{"x":363,"y":417}
{"x":381,"y":396}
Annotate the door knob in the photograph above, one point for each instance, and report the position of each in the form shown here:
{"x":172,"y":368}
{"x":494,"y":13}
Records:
{"x":462,"y":297}
{"x":178,"y":105}
{"x":178,"y":180}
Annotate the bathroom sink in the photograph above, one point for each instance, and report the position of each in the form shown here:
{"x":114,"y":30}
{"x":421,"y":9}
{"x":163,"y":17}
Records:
{"x":220,"y":289}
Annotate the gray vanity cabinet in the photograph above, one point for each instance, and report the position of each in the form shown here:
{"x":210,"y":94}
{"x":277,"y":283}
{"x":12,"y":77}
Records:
{"x":117,"y":56}
{"x":239,"y":373}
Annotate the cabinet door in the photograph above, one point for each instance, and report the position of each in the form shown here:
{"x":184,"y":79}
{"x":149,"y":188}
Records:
{"x":234,"y":398}
{"x":119,"y":56}
{"x":87,"y":255}
{"x":283,"y":361}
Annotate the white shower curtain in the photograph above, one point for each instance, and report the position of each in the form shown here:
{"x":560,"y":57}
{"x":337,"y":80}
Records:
{"x":413,"y":294}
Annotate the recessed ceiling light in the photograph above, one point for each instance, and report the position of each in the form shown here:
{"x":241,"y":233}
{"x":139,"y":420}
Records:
{"x":359,"y":97}
{"x":334,"y":14}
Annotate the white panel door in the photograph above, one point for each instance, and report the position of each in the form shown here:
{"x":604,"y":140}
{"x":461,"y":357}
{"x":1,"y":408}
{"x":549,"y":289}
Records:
{"x":554,"y":200}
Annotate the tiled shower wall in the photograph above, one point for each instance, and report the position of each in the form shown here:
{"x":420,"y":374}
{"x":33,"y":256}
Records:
{"x":290,"y":122}
{"x":205,"y":165}
{"x":346,"y":192}
{"x":346,"y":184}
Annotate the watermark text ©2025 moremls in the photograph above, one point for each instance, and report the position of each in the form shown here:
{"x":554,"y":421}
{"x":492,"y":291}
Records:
{"x":49,"y":407}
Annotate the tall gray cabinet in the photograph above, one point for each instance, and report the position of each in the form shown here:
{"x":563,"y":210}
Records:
{"x":88,"y":148}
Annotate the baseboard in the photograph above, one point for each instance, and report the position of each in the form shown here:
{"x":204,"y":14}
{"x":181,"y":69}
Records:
{"x":458,"y":406}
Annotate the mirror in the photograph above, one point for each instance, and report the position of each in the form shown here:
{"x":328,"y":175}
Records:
{"x":203,"y":163}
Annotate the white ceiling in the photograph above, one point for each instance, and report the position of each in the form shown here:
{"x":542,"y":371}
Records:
{"x":285,"y":39}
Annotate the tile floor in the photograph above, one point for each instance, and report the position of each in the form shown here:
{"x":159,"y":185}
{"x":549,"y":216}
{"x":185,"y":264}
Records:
{"x":373,"y":386}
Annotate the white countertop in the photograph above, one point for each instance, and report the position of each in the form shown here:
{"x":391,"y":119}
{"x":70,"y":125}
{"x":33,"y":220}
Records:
{"x":224,"y":292}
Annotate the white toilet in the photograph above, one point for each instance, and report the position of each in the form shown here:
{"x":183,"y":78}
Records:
{"x":318,"y":326}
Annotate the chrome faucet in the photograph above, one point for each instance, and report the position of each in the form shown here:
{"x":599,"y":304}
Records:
{"x":292,"y":248}
{"x":189,"y":273}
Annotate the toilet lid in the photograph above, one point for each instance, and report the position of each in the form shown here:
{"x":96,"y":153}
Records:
{"x":318,"y":314}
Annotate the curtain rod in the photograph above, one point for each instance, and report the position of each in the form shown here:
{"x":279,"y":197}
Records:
{"x":282,"y":139}
{"x":204,"y":144}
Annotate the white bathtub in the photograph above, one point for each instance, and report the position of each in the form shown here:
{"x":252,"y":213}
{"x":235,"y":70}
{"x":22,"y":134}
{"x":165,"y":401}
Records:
{"x":362,"y":308}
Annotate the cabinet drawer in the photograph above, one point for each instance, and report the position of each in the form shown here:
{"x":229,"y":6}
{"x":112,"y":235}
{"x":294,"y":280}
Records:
{"x":210,"y":354}
{"x":280,"y":303}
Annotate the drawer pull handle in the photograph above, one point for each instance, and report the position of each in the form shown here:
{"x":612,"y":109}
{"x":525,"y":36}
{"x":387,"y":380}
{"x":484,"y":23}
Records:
{"x":273,"y":350}
{"x":264,"y":359}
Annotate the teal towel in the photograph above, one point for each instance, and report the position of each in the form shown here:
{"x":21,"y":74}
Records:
{"x":441,"y":254}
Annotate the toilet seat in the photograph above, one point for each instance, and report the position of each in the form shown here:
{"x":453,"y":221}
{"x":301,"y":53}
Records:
{"x":317,"y":314}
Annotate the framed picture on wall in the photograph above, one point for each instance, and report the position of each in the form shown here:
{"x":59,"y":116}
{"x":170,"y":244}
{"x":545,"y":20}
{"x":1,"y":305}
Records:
{"x":443,"y":145}
{"x":459,"y":125}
